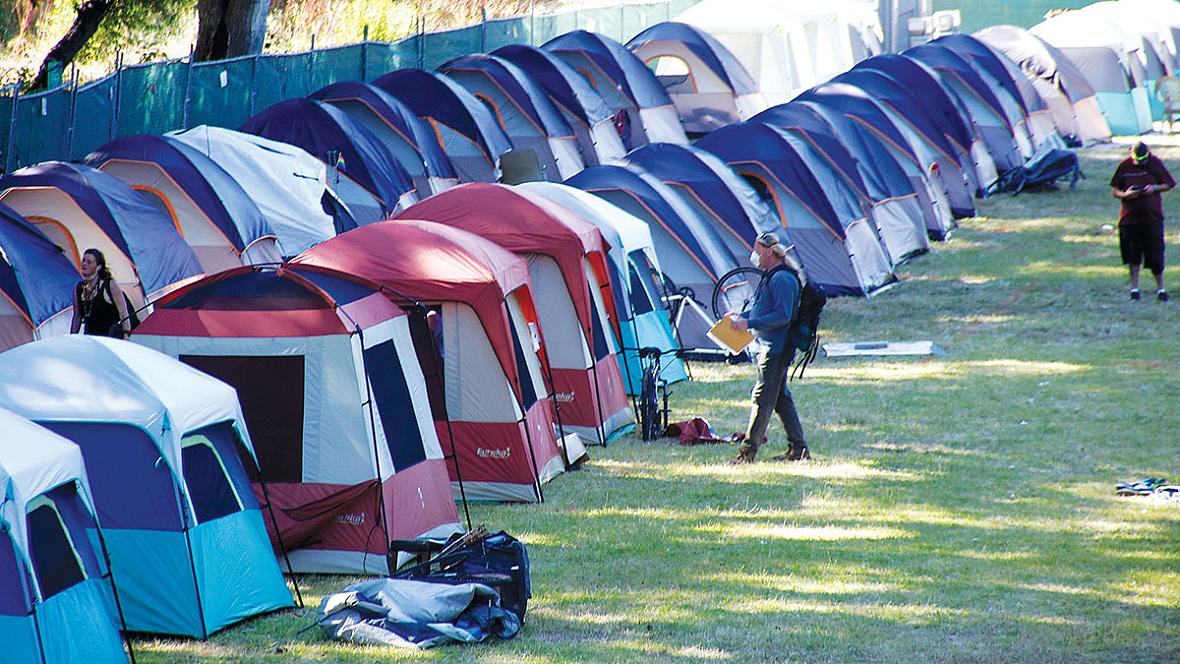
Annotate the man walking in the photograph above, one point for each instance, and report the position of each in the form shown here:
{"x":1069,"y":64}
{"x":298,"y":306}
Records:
{"x":769,"y":318}
{"x":1138,"y":182}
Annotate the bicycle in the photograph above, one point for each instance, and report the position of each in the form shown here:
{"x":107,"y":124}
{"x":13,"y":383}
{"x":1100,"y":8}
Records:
{"x":653,"y":419}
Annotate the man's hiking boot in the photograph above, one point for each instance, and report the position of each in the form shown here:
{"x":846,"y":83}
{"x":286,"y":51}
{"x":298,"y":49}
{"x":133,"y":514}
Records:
{"x":745,"y":455}
{"x":1162,"y":295}
{"x":1135,"y":294}
{"x":795,"y":454}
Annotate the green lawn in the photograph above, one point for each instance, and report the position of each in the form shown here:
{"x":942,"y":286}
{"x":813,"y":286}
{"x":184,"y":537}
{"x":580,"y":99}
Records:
{"x":960,"y":508}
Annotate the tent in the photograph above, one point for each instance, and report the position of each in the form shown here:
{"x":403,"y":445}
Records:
{"x":833,"y":237}
{"x":466,"y":129}
{"x":489,"y":391}
{"x":166,"y":451}
{"x":523,"y":111}
{"x":407,"y":138}
{"x":705,"y":183}
{"x":1066,"y":91}
{"x":709,"y":87}
{"x":897,"y":210}
{"x":1143,"y":31}
{"x":903,"y":83}
{"x":1002,"y":73}
{"x":789,"y":45}
{"x":55,"y":597}
{"x":587,"y":113}
{"x":1107,"y":57}
{"x":694,"y":254}
{"x":1000,"y":125}
{"x":625,"y":84}
{"x":36,"y":283}
{"x":336,"y":405}
{"x":643,"y":320}
{"x":362,"y":171}
{"x":78,"y":207}
{"x":571,"y":285}
{"x":288,"y":185}
{"x":213,"y":213}
{"x":928,"y":149}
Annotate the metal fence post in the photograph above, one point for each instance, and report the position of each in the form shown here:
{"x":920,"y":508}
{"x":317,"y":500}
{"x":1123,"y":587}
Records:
{"x":421,"y":42}
{"x":483,"y":27}
{"x":254,"y":83}
{"x":622,"y":24}
{"x":73,"y":113}
{"x":533,"y":23}
{"x":365,"y":54}
{"x":9,"y":163}
{"x":310,"y":64}
{"x":118,"y":96}
{"x":188,"y":88}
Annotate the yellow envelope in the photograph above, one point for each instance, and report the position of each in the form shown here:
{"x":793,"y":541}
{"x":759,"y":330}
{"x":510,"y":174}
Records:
{"x":727,"y":338}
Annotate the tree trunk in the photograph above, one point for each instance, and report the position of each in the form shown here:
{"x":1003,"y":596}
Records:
{"x":230,"y":28}
{"x":90,"y":14}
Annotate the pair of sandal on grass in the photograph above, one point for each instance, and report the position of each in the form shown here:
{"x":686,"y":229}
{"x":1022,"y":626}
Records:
{"x":1147,"y":487}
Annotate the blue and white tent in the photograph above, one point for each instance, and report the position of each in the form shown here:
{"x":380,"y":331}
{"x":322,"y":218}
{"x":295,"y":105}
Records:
{"x":592,"y":120}
{"x":466,"y":129}
{"x":710,"y":88}
{"x":834,"y":237}
{"x":218,"y":219}
{"x":363,"y":173}
{"x":410,"y":140}
{"x":896,"y":207}
{"x":523,"y":110}
{"x":56,"y":605}
{"x":626,"y":85}
{"x":705,"y":183}
{"x":901,"y":135}
{"x":78,"y":207}
{"x":635,"y":279}
{"x":36,"y":283}
{"x":164,"y":447}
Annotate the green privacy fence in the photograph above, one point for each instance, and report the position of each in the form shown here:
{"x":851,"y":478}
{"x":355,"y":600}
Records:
{"x":70,"y":121}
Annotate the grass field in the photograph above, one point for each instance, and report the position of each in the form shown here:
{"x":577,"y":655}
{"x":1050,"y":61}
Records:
{"x":960,"y":508}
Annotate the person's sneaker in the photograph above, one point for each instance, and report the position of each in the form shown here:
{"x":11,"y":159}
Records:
{"x":1134,"y":293}
{"x":1162,"y":295}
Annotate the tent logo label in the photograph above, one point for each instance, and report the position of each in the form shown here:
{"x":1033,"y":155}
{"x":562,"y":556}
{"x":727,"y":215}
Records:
{"x":351,"y":519}
{"x":493,"y":454}
{"x":566,"y":397}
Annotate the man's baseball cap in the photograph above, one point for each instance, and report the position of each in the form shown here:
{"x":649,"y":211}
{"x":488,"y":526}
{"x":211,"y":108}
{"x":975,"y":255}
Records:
{"x":1139,"y":151}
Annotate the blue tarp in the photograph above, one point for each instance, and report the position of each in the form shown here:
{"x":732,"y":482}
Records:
{"x":217,"y":194}
{"x":139,"y":230}
{"x":322,"y":129}
{"x":34,"y":273}
{"x":704,"y":46}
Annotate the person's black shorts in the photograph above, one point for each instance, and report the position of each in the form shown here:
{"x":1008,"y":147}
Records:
{"x":1143,"y":244}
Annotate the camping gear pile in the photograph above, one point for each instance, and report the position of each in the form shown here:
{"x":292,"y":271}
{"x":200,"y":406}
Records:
{"x":351,"y":320}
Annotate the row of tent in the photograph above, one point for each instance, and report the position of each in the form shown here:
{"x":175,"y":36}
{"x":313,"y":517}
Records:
{"x":352,"y":325}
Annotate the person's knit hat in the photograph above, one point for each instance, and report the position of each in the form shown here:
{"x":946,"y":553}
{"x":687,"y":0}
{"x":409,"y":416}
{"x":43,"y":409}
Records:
{"x":1139,"y":151}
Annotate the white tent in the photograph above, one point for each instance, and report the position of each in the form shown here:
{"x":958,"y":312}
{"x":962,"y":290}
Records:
{"x":285,"y":182}
{"x":790,"y":45}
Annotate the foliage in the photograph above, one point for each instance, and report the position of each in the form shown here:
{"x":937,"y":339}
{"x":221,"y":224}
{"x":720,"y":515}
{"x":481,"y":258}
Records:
{"x":960,"y":508}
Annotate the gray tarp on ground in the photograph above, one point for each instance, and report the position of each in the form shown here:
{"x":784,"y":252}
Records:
{"x":415,"y":614}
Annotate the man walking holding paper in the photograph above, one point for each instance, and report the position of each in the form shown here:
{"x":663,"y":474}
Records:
{"x":775,"y":304}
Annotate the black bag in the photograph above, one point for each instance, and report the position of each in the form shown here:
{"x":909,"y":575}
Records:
{"x":500,"y":561}
{"x":117,"y":329}
{"x":804,"y":333}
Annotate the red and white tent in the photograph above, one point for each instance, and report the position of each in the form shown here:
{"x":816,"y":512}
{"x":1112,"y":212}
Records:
{"x":567,"y":262}
{"x":336,"y":404}
{"x":485,"y":366}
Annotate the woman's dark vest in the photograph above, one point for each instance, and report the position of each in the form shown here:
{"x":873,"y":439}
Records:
{"x":99,"y":317}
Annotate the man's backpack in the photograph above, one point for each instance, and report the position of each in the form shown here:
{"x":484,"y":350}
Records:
{"x":804,"y":334}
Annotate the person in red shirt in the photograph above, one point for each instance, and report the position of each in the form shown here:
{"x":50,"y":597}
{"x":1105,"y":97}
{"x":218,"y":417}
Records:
{"x":1138,"y":182}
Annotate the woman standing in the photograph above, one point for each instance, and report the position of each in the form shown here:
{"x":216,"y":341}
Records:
{"x":100,"y":308}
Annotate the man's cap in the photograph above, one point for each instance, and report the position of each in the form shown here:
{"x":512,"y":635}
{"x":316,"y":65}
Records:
{"x":768,"y":239}
{"x":1139,"y":151}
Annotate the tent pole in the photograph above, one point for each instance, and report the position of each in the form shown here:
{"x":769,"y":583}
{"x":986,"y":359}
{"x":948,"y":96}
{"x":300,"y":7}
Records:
{"x":106,"y":556}
{"x":192,"y":565}
{"x":376,"y":458}
{"x":524,"y":417}
{"x":279,"y":535}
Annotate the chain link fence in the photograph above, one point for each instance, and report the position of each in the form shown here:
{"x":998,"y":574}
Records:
{"x":68,"y":122}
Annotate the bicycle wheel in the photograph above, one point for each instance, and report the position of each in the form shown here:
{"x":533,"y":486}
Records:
{"x":735,"y":290}
{"x":649,"y":406}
